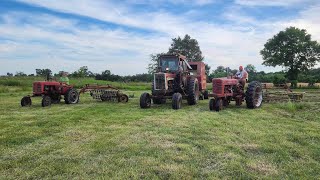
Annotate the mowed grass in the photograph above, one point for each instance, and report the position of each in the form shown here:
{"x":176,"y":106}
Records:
{"x":121,"y":141}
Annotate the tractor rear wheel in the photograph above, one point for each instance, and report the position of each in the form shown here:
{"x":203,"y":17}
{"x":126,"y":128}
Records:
{"x":193,"y":91}
{"x":26,"y":101}
{"x":46,"y":101}
{"x":254,"y":95}
{"x":71,"y":97}
{"x":176,"y":101}
{"x":145,"y":100}
{"x":123,"y":98}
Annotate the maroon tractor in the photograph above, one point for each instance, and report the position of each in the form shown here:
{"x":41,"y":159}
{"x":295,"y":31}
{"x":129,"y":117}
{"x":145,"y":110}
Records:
{"x":226,"y":90}
{"x":176,"y":79}
{"x":51,"y":92}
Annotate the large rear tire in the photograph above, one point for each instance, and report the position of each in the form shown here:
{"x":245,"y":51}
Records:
{"x":254,"y":95}
{"x":176,"y":101}
{"x":26,"y":101}
{"x":145,"y":100}
{"x":71,"y":97}
{"x":193,"y":91}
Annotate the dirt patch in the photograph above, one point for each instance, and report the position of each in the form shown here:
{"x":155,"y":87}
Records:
{"x":262,"y":167}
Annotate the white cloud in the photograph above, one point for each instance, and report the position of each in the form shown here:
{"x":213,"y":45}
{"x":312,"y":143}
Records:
{"x":93,"y":46}
{"x":125,"y":52}
{"x":177,"y":2}
{"x":283,"y":3}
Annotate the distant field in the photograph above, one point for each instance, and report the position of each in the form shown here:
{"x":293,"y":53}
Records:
{"x":18,"y":84}
{"x":108,"y":140}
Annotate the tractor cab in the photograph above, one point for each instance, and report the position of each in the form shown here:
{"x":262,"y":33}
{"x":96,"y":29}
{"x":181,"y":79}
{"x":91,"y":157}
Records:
{"x":173,"y":64}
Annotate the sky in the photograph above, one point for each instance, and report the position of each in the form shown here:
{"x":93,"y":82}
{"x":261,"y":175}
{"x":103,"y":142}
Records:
{"x":120,"y":35}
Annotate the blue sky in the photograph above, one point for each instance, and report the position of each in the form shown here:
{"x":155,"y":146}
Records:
{"x":119,"y":35}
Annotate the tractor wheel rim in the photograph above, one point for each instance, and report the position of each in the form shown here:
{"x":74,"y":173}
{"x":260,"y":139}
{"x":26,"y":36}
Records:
{"x":258,"y":97}
{"x":123,"y":99}
{"x":46,"y":101}
{"x":148,"y":101}
{"x":73,"y":96}
{"x":196,"y":89}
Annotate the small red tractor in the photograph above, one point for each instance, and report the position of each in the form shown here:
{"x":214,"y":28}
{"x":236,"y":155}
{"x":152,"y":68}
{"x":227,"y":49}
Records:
{"x":229,"y":89}
{"x":176,"y":79}
{"x":51,"y":92}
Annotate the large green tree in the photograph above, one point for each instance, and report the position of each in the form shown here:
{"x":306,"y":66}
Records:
{"x":292,"y":49}
{"x":186,"y":46}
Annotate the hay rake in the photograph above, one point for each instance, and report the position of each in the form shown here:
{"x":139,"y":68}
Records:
{"x":105,"y":93}
{"x":280,"y":93}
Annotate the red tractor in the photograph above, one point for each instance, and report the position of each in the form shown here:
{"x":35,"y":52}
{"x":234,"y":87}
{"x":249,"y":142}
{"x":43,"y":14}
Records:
{"x":176,"y":79}
{"x":51,"y":92}
{"x":229,"y":89}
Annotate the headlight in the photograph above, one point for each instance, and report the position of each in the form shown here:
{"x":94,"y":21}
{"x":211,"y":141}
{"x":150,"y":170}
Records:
{"x":167,"y":69}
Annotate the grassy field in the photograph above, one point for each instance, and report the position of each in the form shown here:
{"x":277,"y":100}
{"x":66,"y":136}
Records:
{"x":121,"y":141}
{"x":19,"y":84}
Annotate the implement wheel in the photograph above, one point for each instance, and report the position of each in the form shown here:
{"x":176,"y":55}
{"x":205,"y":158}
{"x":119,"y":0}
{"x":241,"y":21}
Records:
{"x":145,"y":101}
{"x":71,"y":97}
{"x":176,"y":101}
{"x":26,"y":101}
{"x":254,"y":95}
{"x":46,"y":101}
{"x":123,"y":98}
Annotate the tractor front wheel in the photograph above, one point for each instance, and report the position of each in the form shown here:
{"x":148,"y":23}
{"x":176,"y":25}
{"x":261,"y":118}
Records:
{"x":218,"y":104}
{"x":176,"y":101}
{"x":26,"y":101}
{"x":145,"y":100}
{"x":254,"y":95}
{"x":193,"y":91}
{"x":71,"y":97}
{"x":212,"y":104}
{"x":46,"y":101}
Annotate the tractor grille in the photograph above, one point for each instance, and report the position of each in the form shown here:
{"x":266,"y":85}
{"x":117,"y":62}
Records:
{"x":160,"y":81}
{"x":217,"y":86}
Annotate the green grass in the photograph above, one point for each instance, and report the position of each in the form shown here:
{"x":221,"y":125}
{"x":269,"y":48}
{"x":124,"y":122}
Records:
{"x":121,"y":141}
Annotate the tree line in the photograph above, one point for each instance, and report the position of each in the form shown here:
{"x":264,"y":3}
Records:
{"x":311,"y":76}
